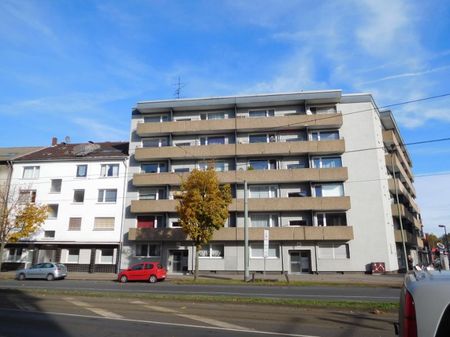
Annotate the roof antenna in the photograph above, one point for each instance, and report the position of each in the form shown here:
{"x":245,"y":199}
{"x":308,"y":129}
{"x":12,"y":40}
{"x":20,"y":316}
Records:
{"x":179,"y":86}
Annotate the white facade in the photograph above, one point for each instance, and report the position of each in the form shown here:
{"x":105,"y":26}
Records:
{"x":85,"y":199}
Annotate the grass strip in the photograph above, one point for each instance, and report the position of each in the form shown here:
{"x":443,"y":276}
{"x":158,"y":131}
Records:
{"x":351,"y":305}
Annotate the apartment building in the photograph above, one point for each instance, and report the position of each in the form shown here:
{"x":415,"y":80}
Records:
{"x":83,"y":186}
{"x":318,"y":173}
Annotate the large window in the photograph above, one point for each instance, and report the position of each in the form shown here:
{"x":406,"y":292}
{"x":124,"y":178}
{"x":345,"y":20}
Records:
{"x":73,"y":255}
{"x":257,"y":250}
{"x":212,"y":251}
{"x":326,"y":162}
{"x":152,"y":194}
{"x":263,"y":191}
{"x":331,"y":219}
{"x":106,"y":256}
{"x":154,"y":167}
{"x":52,"y":211}
{"x":26,"y":196}
{"x":15,"y":254}
{"x":110,"y":170}
{"x":334,"y":251}
{"x":107,"y":195}
{"x":324,"y":135}
{"x":155,"y":142}
{"x":262,"y":164}
{"x":156,"y":119}
{"x":261,"y":138}
{"x":148,"y":250}
{"x":31,"y":172}
{"x":74,"y":224}
{"x":78,"y":196}
{"x":49,"y":234}
{"x":210,"y":140}
{"x":262,"y":113}
{"x":150,"y":221}
{"x":56,"y":186}
{"x":81,"y":171}
{"x":329,"y":190}
{"x":103,"y":224}
{"x":263,"y":220}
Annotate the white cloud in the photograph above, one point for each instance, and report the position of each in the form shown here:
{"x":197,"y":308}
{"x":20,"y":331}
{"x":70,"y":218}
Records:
{"x":100,"y":130}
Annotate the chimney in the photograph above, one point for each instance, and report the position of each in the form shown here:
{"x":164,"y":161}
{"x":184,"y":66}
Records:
{"x":54,"y":141}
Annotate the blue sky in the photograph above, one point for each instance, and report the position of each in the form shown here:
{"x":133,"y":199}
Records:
{"x":77,"y":67}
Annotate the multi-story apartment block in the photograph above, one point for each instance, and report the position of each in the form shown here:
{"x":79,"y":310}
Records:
{"x":83,"y":186}
{"x":319,"y":179}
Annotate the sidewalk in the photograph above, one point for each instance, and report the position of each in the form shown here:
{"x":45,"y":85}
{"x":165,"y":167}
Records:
{"x":389,"y":280}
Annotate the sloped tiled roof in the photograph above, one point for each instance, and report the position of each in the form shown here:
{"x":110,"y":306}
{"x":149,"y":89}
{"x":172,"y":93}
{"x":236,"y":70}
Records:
{"x":11,"y":153}
{"x":82,"y":151}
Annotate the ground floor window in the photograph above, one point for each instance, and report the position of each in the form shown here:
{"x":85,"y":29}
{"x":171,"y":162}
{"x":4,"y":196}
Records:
{"x":334,"y":251}
{"x":107,"y":256}
{"x":73,"y":255}
{"x":257,"y":250}
{"x":148,"y":250}
{"x":15,"y":254}
{"x":212,"y":251}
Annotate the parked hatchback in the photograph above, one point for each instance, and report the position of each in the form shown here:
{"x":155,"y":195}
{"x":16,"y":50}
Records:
{"x":47,"y":270}
{"x":144,"y":271}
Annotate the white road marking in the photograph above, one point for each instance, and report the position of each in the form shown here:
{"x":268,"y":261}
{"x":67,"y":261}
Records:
{"x":270,"y":333}
{"x":98,"y":311}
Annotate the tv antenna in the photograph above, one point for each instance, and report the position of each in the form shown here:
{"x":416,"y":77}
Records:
{"x":179,"y":85}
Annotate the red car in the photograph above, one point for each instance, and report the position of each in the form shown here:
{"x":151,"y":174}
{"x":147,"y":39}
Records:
{"x":144,"y":271}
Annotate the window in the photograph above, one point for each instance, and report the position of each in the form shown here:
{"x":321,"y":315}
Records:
{"x":56,"y":186}
{"x":261,"y":138}
{"x":218,"y":166}
{"x":324,"y":135}
{"x":26,"y":196}
{"x":176,"y":224}
{"x":107,"y":195}
{"x":73,"y":255}
{"x":263,"y":191}
{"x":181,"y":169}
{"x":329,"y":190}
{"x":261,"y":113}
{"x":49,"y":234}
{"x":257,"y":250}
{"x":156,"y":119}
{"x":150,"y":221}
{"x":106,"y":256}
{"x":110,"y":170}
{"x":323,"y":110}
{"x":15,"y":254}
{"x":331,"y":219}
{"x":155,"y":142}
{"x":148,"y":250}
{"x":154,"y":167}
{"x":298,"y":223}
{"x":152,"y":194}
{"x":326,"y":162}
{"x":74,"y":224}
{"x":81,"y":171}
{"x":297,"y":194}
{"x":52,"y":211}
{"x":262,"y":164}
{"x":334,"y":251}
{"x":212,"y":251}
{"x":263,"y":220}
{"x":30,"y":172}
{"x":78,"y":196}
{"x":210,"y":140}
{"x":103,"y":224}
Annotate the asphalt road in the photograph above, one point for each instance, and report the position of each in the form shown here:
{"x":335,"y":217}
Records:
{"x":22,"y":314}
{"x":310,"y":292}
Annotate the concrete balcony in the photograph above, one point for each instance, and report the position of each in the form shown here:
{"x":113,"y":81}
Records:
{"x":410,"y":239}
{"x":404,"y":213}
{"x":241,"y":150}
{"x":389,"y":139}
{"x":252,"y":176}
{"x":404,"y":192}
{"x":254,"y":205}
{"x":400,"y":172}
{"x":240,"y":124}
{"x":233,"y":234}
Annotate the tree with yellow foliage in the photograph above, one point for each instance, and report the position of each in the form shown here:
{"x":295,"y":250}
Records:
{"x":19,"y":219}
{"x":202,"y":208}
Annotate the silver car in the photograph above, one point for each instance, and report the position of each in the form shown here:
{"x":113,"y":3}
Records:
{"x":47,"y":270}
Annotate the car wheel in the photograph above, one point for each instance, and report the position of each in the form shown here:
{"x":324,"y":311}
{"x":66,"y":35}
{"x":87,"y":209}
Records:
{"x":50,"y":277}
{"x":21,"y":277}
{"x":123,"y":279}
{"x":152,"y":279}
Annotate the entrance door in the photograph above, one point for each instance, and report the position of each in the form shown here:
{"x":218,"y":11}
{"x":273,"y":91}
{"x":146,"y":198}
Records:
{"x":178,"y":259}
{"x":300,"y":261}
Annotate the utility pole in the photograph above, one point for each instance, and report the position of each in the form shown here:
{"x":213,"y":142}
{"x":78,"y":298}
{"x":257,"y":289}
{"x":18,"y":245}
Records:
{"x":446,"y":238}
{"x":246,"y":271}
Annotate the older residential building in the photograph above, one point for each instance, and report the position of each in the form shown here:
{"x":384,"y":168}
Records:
{"x":83,"y":186}
{"x":317,"y":165}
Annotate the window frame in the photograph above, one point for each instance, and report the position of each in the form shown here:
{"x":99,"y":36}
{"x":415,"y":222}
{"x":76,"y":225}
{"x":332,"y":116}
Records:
{"x":271,"y":217}
{"x":320,"y":159}
{"x":104,"y":228}
{"x":79,"y":168}
{"x":75,"y":191}
{"x":101,"y":197}
{"x":260,"y":246}
{"x":158,"y":167}
{"x":266,"y":112}
{"x":74,"y":229}
{"x":56,"y":190}
{"x":161,"y":142}
{"x":35,"y":172}
{"x":210,"y":248}
{"x":105,"y":169}
{"x":53,"y":208}
{"x":148,"y":250}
